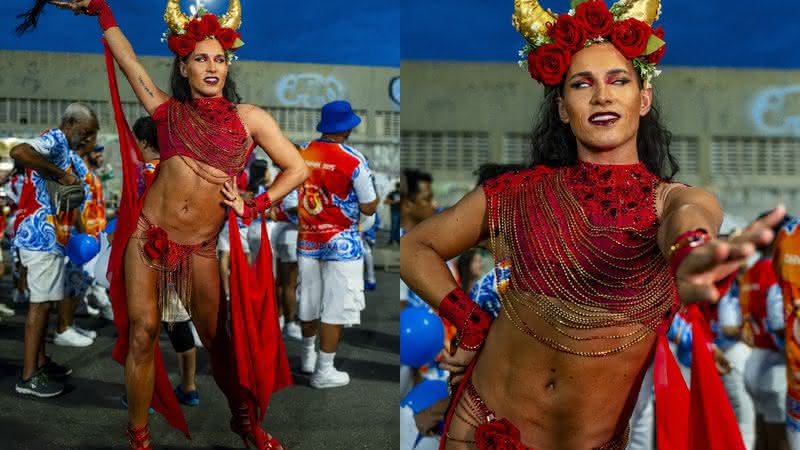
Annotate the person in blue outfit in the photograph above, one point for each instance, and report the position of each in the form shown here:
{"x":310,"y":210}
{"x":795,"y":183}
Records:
{"x":43,"y":233}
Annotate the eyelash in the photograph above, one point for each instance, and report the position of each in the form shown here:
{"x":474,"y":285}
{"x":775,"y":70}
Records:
{"x":578,"y":84}
{"x":202,"y":59}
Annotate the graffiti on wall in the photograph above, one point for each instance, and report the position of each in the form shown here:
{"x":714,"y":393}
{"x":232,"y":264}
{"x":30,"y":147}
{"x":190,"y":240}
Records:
{"x":776,"y":111}
{"x":308,"y":90}
{"x":394,"y":90}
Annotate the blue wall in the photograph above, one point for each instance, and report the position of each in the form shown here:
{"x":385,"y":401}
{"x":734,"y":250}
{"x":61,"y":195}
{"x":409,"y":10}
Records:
{"x":360,"y":32}
{"x":732,"y":33}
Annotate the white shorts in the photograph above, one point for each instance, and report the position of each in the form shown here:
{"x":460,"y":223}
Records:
{"x":224,"y":244}
{"x":765,"y":379}
{"x":45,"y":275}
{"x":332,"y":291}
{"x":284,"y":241}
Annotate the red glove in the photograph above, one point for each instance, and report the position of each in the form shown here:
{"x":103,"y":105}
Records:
{"x":471,"y":321}
{"x":100,"y":9}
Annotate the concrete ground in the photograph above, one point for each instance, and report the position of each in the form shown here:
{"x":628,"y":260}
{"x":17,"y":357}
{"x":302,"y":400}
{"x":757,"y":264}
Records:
{"x":89,"y":415}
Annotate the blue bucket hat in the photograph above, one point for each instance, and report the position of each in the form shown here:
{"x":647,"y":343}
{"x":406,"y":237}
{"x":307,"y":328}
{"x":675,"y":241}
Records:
{"x":337,"y":116}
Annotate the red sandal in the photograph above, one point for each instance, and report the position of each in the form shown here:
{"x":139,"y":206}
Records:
{"x":138,"y":436}
{"x":255,"y":436}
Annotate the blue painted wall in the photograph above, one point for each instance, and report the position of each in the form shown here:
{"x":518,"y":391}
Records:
{"x":359,"y":32}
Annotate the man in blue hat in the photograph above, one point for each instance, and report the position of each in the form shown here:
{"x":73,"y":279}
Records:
{"x":330,"y":255}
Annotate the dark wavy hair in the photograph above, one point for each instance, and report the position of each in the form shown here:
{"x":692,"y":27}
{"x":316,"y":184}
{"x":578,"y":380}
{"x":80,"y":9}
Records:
{"x":145,"y":130}
{"x":183,"y":93}
{"x":553,"y":143}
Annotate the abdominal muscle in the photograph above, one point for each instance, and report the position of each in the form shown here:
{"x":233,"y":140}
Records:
{"x":186,"y":205}
{"x":556,"y":399}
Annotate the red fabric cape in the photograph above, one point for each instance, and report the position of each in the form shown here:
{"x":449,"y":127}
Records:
{"x":260,"y":363}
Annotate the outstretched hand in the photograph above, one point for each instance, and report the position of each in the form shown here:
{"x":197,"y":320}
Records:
{"x":76,"y":6}
{"x":714,"y":261}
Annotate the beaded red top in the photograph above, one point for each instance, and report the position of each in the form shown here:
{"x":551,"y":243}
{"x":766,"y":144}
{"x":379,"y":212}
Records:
{"x":208,"y":130}
{"x":580,"y":242}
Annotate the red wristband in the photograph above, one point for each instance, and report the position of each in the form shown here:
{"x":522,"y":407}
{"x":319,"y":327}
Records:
{"x":256,"y":206}
{"x":471,"y":321}
{"x":101,"y":9}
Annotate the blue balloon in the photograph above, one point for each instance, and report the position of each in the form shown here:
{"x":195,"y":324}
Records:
{"x":421,"y":336}
{"x":685,"y":339}
{"x":685,"y":356}
{"x":424,"y":395}
{"x":81,"y":248}
{"x":111,"y":225}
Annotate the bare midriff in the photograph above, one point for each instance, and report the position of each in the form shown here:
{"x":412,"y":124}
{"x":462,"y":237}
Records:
{"x":558,"y":400}
{"x":186,"y":205}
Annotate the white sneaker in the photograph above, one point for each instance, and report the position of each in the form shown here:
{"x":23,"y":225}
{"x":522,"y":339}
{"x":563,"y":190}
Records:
{"x":308,"y":360}
{"x":293,"y":330}
{"x":71,"y":338}
{"x":329,"y":378}
{"x":98,"y":296}
{"x":91,"y":334}
{"x":85,"y":309}
{"x":5,"y":310}
{"x":107,"y":312}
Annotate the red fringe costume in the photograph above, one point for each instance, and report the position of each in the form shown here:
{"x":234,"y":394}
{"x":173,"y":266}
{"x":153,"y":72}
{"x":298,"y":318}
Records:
{"x":261,"y":366}
{"x":580,"y":245}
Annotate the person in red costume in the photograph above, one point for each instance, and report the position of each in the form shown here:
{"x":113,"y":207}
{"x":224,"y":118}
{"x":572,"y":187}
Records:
{"x":599,"y":244}
{"x":205,"y":137}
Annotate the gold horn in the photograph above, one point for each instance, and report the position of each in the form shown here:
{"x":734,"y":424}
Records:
{"x":530,"y":19}
{"x":645,"y":10}
{"x":174,"y":17}
{"x":232,"y":18}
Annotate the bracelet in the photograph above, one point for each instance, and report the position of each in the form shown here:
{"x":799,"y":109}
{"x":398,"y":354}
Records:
{"x":684,"y":244}
{"x":101,"y":9}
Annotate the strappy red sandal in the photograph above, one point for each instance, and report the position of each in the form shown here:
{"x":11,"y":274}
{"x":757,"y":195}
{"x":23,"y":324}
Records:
{"x":138,"y":436}
{"x":252,"y":436}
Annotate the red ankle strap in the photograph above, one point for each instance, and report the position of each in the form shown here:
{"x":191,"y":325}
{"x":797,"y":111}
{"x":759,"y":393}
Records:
{"x":138,"y":436}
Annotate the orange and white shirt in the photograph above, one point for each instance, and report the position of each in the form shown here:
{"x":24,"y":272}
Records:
{"x":787,"y":268}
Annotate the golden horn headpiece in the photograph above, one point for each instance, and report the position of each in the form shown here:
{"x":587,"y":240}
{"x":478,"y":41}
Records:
{"x":645,"y":10}
{"x":531,"y":20}
{"x":176,"y":20}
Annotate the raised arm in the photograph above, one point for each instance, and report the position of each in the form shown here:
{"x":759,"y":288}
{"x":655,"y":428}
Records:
{"x":267,"y":134}
{"x":149,"y":95}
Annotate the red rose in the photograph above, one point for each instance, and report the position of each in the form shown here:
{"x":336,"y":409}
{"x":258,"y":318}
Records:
{"x":157,"y":244}
{"x":210,"y":24}
{"x":172,"y":43}
{"x":498,"y":435}
{"x":549,"y":63}
{"x":567,"y":32}
{"x":595,"y":18}
{"x":196,"y":30}
{"x":630,"y":37}
{"x":226,"y":37}
{"x":183,"y":45}
{"x":655,"y":57}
